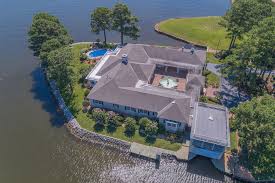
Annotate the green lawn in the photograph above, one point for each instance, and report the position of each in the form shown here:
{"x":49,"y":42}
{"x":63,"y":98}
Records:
{"x":210,"y":58}
{"x":201,"y":30}
{"x":88,"y":123}
{"x":212,"y":79}
{"x":233,"y":140}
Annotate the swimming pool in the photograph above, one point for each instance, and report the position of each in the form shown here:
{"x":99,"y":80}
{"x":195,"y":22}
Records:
{"x":97,"y":53}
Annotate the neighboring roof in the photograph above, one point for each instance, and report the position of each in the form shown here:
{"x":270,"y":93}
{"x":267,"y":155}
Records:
{"x":210,"y":124}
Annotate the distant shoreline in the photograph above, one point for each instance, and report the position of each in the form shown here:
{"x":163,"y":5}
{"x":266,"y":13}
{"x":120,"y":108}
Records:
{"x":202,"y":32}
{"x":156,"y":28}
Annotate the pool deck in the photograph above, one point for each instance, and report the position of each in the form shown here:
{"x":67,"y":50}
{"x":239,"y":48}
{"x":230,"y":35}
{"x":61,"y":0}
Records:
{"x":93,"y":74}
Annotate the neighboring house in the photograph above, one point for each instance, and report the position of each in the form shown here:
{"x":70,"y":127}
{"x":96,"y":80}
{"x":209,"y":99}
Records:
{"x":161,"y":83}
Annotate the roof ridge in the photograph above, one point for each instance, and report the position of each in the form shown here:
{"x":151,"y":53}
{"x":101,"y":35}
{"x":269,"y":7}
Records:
{"x":165,"y":108}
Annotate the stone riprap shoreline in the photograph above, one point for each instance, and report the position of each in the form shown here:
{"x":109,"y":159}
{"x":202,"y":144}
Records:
{"x":91,"y":137}
{"x":81,"y":133}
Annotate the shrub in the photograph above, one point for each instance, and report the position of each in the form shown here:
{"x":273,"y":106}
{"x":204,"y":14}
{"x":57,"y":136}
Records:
{"x":203,"y":99}
{"x":143,"y":123}
{"x":111,"y":117}
{"x":83,"y":72}
{"x":110,"y":46}
{"x":179,"y":134}
{"x":100,"y":116}
{"x":206,"y":72}
{"x":130,"y":127}
{"x":86,"y":103}
{"x":97,"y":40}
{"x":151,"y":129}
{"x":84,"y":50}
{"x":232,"y":125}
{"x":86,"y":92}
{"x":83,"y":57}
{"x":111,"y":114}
{"x":171,"y":137}
{"x":118,"y":120}
{"x":161,"y":128}
{"x":214,"y":100}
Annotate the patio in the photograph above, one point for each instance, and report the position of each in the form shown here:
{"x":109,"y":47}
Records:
{"x":180,"y":83}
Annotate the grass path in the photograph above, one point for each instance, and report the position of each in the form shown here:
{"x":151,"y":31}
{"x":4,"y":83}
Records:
{"x":199,"y":30}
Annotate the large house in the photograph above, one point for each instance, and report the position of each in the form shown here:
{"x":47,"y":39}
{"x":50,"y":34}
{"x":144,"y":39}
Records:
{"x":164,"y":84}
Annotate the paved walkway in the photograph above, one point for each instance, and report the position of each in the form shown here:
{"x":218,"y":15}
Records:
{"x":153,"y":152}
{"x":211,"y":91}
{"x":215,"y":68}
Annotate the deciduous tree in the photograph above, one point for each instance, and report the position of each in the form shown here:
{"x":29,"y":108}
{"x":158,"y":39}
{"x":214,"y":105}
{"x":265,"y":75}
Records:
{"x":124,"y":22}
{"x":130,"y":127}
{"x":243,"y":15}
{"x":59,"y":69}
{"x":253,"y":58}
{"x":101,"y":20}
{"x":255,"y":121}
{"x":45,"y":27}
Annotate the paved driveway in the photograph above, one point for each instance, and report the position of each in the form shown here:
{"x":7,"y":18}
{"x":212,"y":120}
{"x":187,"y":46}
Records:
{"x":230,"y":96}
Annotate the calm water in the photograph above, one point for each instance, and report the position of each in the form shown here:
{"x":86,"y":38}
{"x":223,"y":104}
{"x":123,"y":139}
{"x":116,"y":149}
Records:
{"x":34,"y":147}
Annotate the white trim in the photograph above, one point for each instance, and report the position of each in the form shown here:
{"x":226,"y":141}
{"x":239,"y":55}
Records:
{"x":93,"y":74}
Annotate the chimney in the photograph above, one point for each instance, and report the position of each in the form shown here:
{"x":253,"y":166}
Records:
{"x":124,"y":59}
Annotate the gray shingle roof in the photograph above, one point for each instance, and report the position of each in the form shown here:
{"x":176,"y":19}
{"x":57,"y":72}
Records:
{"x":118,"y":82}
{"x":194,"y":79}
{"x":172,"y":54}
{"x":143,"y":71}
{"x":177,"y":110}
{"x":139,"y":53}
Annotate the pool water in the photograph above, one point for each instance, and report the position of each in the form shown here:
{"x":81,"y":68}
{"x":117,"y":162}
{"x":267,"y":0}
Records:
{"x":98,"y":53}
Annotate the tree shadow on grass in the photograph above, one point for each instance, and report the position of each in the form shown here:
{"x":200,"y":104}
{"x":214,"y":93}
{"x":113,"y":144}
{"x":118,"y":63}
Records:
{"x":98,"y":127}
{"x":129,"y":133}
{"x":150,"y":140}
{"x":41,"y":92}
{"x":111,"y":128}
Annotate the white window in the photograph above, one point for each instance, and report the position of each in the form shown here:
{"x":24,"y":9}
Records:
{"x":171,"y":126}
